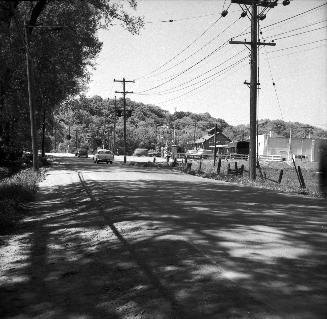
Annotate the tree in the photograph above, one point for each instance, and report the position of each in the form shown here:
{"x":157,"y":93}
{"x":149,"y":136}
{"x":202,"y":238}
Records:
{"x":60,"y":58}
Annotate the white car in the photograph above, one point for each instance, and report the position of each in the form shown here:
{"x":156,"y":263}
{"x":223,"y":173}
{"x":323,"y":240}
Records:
{"x":103,"y":155}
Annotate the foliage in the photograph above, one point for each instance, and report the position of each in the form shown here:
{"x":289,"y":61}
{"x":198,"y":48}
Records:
{"x":91,"y":123}
{"x":61,"y":58}
{"x":14,"y":191}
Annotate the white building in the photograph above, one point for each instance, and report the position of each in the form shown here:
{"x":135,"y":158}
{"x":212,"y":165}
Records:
{"x":304,"y":148}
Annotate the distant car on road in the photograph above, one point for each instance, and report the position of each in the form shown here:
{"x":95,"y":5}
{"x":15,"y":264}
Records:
{"x":140,"y":152}
{"x":103,"y":155}
{"x":82,"y":153}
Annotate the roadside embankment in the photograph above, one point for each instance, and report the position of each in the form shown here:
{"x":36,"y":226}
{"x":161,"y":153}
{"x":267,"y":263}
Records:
{"x":15,"y":191}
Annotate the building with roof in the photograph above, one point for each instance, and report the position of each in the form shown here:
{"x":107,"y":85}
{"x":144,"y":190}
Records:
{"x":207,"y":142}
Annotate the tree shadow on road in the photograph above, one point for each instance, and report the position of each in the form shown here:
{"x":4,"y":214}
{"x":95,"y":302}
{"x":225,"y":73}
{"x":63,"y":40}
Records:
{"x":166,"y":249}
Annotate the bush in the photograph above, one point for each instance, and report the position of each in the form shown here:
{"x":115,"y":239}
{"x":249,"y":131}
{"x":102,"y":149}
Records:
{"x":14,"y":191}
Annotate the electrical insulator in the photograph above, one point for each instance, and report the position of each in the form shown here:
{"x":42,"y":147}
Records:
{"x":262,"y":17}
{"x":286,"y":2}
{"x":224,"y":13}
{"x":243,"y":14}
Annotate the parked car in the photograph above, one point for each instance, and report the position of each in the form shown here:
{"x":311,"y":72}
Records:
{"x":103,"y":155}
{"x":140,"y":152}
{"x":82,"y":152}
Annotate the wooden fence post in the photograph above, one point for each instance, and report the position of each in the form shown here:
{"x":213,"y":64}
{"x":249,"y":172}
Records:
{"x":280,"y":176}
{"x":219,"y":166}
{"x":301,"y":177}
{"x":297,"y":173}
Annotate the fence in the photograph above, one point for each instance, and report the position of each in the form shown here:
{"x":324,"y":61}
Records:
{"x":234,"y":156}
{"x":270,"y":158}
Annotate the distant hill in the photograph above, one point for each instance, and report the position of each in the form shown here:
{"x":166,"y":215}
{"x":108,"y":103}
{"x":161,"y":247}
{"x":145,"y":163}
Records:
{"x":149,"y":126}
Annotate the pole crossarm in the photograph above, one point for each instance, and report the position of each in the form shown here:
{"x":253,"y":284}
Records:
{"x":262,"y":3}
{"x":130,"y":81}
{"x":250,"y":43}
{"x":126,"y":92}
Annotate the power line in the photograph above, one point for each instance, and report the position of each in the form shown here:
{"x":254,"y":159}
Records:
{"x":198,"y":76}
{"x":195,"y":52}
{"x":284,"y":20}
{"x":211,"y":76}
{"x":178,"y":97}
{"x":187,"y":69}
{"x":274,"y":85}
{"x":295,"y":16}
{"x":296,"y":46}
{"x":298,"y":52}
{"x":299,"y":28}
{"x":182,"y":19}
{"x":183,"y":50}
{"x":296,"y":34}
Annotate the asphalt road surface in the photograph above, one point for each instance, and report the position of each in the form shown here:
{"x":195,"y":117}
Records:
{"x":120,"y":241}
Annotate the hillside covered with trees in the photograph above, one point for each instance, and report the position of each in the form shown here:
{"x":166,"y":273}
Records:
{"x":95,"y":122}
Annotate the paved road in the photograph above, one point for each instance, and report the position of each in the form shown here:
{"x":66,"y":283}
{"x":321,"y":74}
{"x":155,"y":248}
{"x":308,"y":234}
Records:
{"x":115,"y":241}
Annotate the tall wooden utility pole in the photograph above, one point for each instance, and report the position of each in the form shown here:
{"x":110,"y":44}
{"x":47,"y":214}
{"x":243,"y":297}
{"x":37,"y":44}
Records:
{"x":30,"y":97}
{"x":115,"y":120}
{"x":254,"y":4}
{"x":124,"y":96}
{"x":215,"y":147}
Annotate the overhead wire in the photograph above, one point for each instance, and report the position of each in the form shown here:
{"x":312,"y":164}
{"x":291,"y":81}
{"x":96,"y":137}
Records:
{"x":284,"y":20}
{"x":295,"y":16}
{"x":186,"y":70}
{"x":296,"y":34}
{"x":298,"y":52}
{"x":296,"y":46}
{"x":182,"y":19}
{"x":190,"y":91}
{"x":281,"y":21}
{"x":273,"y":82}
{"x":195,"y":52}
{"x":180,"y":52}
{"x":197,"y":77}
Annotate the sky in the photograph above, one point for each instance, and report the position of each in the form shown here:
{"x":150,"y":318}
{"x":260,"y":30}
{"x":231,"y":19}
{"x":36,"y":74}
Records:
{"x":189,"y":65}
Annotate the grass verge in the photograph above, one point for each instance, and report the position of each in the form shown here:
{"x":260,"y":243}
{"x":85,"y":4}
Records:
{"x":14,"y":192}
{"x":271,"y":171}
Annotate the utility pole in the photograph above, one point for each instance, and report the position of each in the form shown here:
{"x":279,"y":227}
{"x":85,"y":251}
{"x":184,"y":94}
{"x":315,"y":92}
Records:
{"x":30,"y":98}
{"x":124,"y":96}
{"x":215,"y":147}
{"x":115,"y":119}
{"x":254,"y":4}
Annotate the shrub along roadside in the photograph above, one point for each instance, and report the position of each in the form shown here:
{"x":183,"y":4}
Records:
{"x":14,"y":192}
